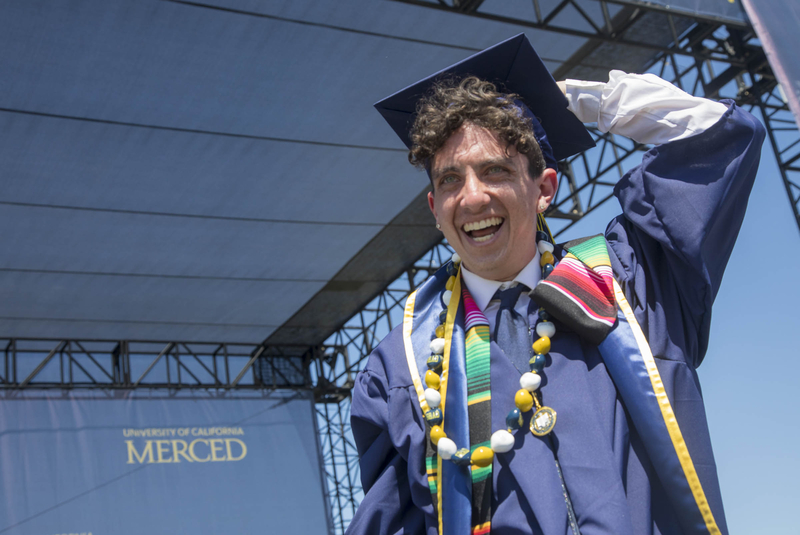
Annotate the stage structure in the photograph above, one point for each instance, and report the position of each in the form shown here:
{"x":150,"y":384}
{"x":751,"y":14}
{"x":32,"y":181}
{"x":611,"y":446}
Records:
{"x":702,"y":54}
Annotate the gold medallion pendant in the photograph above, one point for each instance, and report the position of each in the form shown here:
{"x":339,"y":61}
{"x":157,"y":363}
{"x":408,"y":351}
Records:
{"x":543,"y":421}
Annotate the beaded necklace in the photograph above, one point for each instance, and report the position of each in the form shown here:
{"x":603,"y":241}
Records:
{"x":544,"y":418}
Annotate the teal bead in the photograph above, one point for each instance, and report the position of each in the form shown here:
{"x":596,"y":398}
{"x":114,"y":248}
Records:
{"x":434,"y":417}
{"x":547,"y":270}
{"x":514,"y":419}
{"x":543,"y":315}
{"x":542,"y":236}
{"x":537,"y":363}
{"x":462,"y":457}
{"x":452,"y":269}
{"x":443,"y":316}
{"x":435,"y":362}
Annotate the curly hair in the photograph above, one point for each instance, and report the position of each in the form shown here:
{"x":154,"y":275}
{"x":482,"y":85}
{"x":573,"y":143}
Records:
{"x":452,"y":103}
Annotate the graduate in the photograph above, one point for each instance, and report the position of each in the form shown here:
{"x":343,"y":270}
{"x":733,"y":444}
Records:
{"x":548,"y":388}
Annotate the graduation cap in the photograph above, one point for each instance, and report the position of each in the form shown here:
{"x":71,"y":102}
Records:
{"x":513,"y":67}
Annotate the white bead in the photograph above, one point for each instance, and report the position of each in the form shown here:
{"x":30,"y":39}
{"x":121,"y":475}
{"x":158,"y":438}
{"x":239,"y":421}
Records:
{"x":446,"y":448}
{"x":546,"y":328}
{"x":437,"y":346}
{"x":433,"y":397}
{"x":455,"y":258}
{"x":545,"y":247}
{"x":446,"y":296}
{"x":502,"y":441}
{"x":530,"y":381}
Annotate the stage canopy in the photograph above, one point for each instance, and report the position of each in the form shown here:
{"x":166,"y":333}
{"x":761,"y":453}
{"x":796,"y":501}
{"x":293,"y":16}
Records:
{"x":214,"y":170}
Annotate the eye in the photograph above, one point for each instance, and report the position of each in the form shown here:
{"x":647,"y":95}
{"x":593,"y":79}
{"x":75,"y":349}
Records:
{"x":496,"y":170}
{"x":448,"y":179}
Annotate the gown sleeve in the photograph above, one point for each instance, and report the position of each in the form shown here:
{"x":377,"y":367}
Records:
{"x":682,"y":207}
{"x":387,"y":434}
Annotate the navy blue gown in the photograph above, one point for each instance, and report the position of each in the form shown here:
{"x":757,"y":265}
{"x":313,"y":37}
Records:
{"x":682,"y":209}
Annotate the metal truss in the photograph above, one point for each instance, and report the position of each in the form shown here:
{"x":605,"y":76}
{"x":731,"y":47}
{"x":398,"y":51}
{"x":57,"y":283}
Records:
{"x":587,"y":180}
{"x":596,"y":25}
{"x":784,"y":137}
{"x":750,"y":82}
{"x":36,"y":363}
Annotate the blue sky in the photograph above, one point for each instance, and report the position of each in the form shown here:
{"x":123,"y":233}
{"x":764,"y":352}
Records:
{"x":750,"y":372}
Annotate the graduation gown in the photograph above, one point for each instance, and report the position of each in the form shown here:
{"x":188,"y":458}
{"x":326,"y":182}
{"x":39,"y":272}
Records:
{"x":682,"y":209}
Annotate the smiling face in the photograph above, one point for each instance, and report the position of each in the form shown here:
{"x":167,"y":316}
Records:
{"x":486,"y":202}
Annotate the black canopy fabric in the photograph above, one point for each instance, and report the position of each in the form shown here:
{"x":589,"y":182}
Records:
{"x":200,"y":171}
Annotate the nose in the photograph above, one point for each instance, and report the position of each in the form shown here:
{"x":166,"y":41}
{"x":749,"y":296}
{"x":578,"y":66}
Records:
{"x":475,"y":196}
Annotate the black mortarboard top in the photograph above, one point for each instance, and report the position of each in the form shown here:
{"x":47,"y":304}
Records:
{"x":514,"y":67}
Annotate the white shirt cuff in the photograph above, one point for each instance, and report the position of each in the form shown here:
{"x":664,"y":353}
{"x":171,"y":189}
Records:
{"x":642,"y":107}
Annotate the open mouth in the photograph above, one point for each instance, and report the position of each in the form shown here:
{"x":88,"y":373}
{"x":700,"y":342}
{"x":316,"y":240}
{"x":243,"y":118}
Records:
{"x":483,"y":230}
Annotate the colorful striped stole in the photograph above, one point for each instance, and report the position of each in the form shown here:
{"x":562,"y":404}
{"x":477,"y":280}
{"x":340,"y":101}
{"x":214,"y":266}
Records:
{"x":580,"y":290}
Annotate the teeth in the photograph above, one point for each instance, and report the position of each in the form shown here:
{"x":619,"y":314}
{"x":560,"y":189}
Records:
{"x":478,"y":225}
{"x":483,"y":238}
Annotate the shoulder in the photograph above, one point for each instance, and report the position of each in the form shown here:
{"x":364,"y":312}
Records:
{"x":390,"y":360}
{"x":388,"y":363}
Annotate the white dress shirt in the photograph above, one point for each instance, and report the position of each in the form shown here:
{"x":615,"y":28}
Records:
{"x":482,"y":290}
{"x":642,"y":107}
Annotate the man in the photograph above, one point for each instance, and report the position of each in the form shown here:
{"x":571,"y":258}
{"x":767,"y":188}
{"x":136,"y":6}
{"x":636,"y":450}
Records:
{"x":507,"y":405}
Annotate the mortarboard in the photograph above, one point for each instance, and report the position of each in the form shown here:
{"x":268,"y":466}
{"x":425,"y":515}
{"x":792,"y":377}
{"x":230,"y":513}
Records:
{"x":514,"y":67}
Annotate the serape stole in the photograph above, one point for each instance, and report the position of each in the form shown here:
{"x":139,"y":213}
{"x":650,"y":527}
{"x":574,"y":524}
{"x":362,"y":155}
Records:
{"x":580,"y":290}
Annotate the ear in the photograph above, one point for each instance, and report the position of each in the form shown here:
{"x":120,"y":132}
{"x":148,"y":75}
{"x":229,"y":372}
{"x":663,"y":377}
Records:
{"x":432,"y":205}
{"x":547,"y":187}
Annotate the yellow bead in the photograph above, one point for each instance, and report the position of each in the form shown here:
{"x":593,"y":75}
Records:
{"x":440,"y":331}
{"x":432,"y":379}
{"x":436,"y":433}
{"x":542,"y":345}
{"x":547,"y":258}
{"x":523,"y":400}
{"x":451,"y":282}
{"x":482,"y":457}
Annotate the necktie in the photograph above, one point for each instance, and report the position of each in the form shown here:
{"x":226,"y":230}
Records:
{"x":511,"y":328}
{"x":512,"y":335}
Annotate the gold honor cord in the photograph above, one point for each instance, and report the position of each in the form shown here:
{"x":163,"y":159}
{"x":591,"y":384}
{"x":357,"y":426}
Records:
{"x":668,"y":414}
{"x":452,"y":310}
{"x":408,"y":325}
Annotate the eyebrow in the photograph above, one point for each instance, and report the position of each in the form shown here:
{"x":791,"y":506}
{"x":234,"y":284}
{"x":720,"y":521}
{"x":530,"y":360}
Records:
{"x":497,"y":161}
